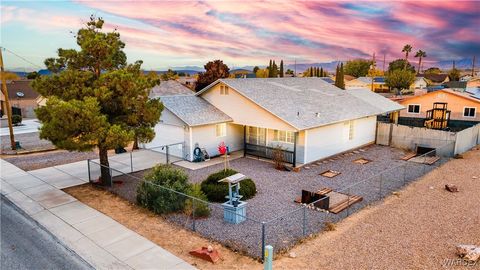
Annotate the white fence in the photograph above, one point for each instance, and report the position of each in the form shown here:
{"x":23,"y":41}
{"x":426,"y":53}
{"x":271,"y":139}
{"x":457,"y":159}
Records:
{"x":407,"y":137}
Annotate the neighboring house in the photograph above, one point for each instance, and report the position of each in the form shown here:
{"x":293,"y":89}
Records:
{"x":461,"y":105}
{"x":21,"y":95}
{"x":347,"y":77}
{"x":366,"y":83}
{"x":435,"y":79}
{"x":170,"y":87}
{"x":474,"y":82}
{"x":308,"y":118}
{"x":419,"y":83}
{"x":189,"y":82}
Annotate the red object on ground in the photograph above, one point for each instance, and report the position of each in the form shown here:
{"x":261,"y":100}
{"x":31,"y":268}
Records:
{"x":204,"y":254}
{"x":222,"y":148}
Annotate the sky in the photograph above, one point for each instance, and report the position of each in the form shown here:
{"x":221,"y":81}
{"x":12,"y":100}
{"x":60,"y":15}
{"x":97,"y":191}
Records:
{"x":168,"y":34}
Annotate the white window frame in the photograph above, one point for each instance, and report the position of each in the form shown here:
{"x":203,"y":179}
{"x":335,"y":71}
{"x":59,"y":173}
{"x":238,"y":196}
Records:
{"x":351,"y":130}
{"x":284,"y":136}
{"x":224,"y":90}
{"x":221,"y":130}
{"x":474,"y":112}
{"x":419,"y":108}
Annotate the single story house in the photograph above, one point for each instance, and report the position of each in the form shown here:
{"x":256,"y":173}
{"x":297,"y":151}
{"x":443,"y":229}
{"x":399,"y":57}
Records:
{"x":462,"y":105}
{"x":170,"y":87}
{"x":22,"y":97}
{"x":366,"y":83}
{"x":435,"y":79}
{"x":474,"y":82}
{"x":307,"y":118}
{"x":419,"y":83}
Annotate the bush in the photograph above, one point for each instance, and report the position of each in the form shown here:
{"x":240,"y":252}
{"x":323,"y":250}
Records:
{"x":216,"y":191}
{"x":161,"y":200}
{"x":201,"y":208}
{"x":407,"y":92}
{"x":16,"y":119}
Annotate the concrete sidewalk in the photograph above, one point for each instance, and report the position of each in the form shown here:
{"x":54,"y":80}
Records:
{"x":100,"y":240}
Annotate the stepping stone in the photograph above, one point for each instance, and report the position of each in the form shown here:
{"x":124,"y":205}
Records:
{"x":356,"y":152}
{"x":307,"y":168}
{"x":362,"y":150}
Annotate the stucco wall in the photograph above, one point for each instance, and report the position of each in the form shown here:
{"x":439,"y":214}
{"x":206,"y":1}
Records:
{"x":466,"y":139}
{"x":333,"y":139}
{"x":243,"y":111}
{"x":455,"y":104}
{"x":206,"y":138}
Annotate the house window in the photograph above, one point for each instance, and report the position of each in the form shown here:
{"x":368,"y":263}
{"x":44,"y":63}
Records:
{"x":221,"y":129}
{"x":414,"y":108}
{"x":283,"y":136}
{"x":469,"y":112}
{"x":351,"y":130}
{"x":256,"y":135}
{"x":223,"y":90}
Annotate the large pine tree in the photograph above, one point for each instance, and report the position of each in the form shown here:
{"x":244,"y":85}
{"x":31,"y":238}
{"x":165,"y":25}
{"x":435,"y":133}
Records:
{"x":281,"y":68}
{"x":95,"y":100}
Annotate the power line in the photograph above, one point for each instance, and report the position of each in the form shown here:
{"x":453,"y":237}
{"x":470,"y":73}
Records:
{"x":28,"y":61}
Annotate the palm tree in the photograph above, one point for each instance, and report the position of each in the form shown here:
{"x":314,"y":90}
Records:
{"x":406,"y":49}
{"x":420,"y":54}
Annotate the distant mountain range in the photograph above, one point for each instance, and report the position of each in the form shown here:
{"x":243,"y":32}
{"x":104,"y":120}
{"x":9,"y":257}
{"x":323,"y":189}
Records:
{"x":299,"y":67}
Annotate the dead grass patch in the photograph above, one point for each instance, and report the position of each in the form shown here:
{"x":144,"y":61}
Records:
{"x":173,"y":238}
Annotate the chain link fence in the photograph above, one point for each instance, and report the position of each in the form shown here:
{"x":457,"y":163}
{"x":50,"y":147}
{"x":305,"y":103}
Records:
{"x":284,"y":230}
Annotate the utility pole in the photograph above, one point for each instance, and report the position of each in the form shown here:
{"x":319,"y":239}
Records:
{"x":383,"y":69}
{"x":373,"y":70}
{"x":473,"y":66}
{"x":7,"y":102}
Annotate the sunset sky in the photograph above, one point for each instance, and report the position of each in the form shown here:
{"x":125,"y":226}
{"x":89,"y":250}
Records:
{"x":186,"y":33}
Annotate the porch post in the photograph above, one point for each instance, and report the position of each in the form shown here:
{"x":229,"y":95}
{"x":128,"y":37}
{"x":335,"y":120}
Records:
{"x":244,"y":141}
{"x":295,"y":149}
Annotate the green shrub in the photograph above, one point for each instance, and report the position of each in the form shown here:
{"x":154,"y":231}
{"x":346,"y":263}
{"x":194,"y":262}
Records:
{"x":16,"y":119}
{"x":201,"y":208}
{"x":216,"y":191}
{"x":161,"y":200}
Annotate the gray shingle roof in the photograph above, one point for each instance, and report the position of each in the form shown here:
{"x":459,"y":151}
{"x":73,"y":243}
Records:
{"x":168,"y":88}
{"x":310,"y":102}
{"x":194,"y":110}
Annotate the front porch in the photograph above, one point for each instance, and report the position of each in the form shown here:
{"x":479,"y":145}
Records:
{"x":263,"y":142}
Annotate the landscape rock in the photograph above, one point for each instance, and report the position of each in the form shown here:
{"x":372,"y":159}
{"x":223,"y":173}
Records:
{"x":292,"y":254}
{"x":470,"y":253}
{"x":474,"y":177}
{"x":451,"y":188}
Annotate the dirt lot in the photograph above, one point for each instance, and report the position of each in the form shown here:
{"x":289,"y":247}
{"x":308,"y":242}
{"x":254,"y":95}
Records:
{"x":418,"y":229}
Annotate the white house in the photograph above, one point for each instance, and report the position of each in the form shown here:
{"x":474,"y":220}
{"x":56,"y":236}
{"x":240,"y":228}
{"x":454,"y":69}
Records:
{"x":308,"y":117}
{"x":419,"y":83}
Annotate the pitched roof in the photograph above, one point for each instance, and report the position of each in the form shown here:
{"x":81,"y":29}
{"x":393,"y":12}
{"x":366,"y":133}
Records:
{"x":455,"y":84}
{"x":309,"y":102}
{"x":168,"y":88}
{"x":465,"y":95}
{"x":21,"y":87}
{"x":438,"y":78}
{"x":368,"y":80}
{"x":194,"y":110}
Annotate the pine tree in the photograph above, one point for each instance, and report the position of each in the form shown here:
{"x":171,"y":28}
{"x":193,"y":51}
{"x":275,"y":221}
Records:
{"x":311,"y":71}
{"x":274,"y":70}
{"x":270,"y":71}
{"x":281,"y":68}
{"x":317,"y":71}
{"x":321,"y":72}
{"x":337,"y":76}
{"x":342,"y":78}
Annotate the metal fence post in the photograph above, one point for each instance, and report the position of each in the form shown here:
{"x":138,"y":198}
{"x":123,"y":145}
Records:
{"x":111,"y":177}
{"x":267,"y":265}
{"x":304,"y":220}
{"x":193,"y":214}
{"x":131,"y":162}
{"x":263,"y":241}
{"x":88,"y":167}
{"x":167,"y":152}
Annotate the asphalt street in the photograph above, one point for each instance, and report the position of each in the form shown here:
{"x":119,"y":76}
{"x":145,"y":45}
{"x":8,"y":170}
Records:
{"x":26,"y":245}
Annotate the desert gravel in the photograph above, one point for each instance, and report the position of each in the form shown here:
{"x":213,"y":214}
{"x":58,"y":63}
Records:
{"x":276,"y":191}
{"x":28,"y":141}
{"x":418,"y":229}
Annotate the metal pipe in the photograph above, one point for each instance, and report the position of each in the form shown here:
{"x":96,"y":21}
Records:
{"x":263,"y":241}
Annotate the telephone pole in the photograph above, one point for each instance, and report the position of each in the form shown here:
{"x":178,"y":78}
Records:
{"x":473,"y":66}
{"x":7,"y":102}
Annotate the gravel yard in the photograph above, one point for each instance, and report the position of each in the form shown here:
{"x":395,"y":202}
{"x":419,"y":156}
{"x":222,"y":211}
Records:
{"x":28,"y":141}
{"x":47,"y":159}
{"x":276,"y":191}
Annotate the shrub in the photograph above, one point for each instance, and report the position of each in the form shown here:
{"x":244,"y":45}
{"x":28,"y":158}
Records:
{"x":201,"y":208}
{"x":16,"y":119}
{"x":161,"y":200}
{"x":279,"y":157}
{"x":407,"y":92}
{"x":216,"y":191}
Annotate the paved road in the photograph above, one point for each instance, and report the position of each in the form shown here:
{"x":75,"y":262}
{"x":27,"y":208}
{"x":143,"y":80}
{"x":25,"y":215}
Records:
{"x":25,"y":245}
